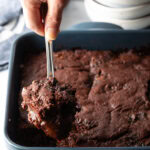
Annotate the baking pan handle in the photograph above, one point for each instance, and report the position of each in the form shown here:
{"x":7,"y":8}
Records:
{"x":95,"y":26}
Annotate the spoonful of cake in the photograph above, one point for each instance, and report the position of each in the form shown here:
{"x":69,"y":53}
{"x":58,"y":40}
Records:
{"x":50,"y":107}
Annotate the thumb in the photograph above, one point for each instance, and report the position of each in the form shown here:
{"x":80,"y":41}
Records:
{"x":53,"y":18}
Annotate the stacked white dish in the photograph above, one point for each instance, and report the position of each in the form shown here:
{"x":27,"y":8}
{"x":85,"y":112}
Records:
{"x":129,"y":14}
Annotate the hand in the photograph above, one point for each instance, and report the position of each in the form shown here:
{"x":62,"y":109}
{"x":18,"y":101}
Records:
{"x":31,"y":9}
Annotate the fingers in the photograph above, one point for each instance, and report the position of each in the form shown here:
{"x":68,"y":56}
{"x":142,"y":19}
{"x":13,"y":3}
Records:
{"x":32,"y":15}
{"x":33,"y":18}
{"x":53,"y":18}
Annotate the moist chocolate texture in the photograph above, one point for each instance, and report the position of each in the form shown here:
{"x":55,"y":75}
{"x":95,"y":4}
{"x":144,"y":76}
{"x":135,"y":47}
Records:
{"x":112,"y":94}
{"x":50,"y":107}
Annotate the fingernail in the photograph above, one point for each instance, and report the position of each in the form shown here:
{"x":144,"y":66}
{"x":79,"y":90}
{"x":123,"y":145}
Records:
{"x":51,"y":34}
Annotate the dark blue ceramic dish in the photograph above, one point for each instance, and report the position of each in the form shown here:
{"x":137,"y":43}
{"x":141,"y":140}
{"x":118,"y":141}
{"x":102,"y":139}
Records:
{"x":89,"y":36}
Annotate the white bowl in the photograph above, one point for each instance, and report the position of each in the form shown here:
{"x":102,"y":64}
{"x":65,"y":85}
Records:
{"x":117,"y":13}
{"x":122,"y":3}
{"x":126,"y":24}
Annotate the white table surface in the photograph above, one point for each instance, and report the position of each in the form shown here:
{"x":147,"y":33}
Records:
{"x":74,"y":13}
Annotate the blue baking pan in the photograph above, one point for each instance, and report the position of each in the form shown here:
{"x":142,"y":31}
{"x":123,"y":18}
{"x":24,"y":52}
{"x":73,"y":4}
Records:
{"x":88,"y":35}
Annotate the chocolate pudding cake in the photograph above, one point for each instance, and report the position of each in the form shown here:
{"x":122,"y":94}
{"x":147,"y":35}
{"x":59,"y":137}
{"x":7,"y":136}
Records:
{"x":110,"y":105}
{"x":50,"y":107}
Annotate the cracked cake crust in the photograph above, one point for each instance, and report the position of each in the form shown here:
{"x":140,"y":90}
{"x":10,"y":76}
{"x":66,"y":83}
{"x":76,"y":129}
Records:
{"x":112,"y":93}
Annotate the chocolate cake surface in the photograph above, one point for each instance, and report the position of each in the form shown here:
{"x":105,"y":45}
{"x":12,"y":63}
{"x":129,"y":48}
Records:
{"x":50,"y":107}
{"x":112,"y":91}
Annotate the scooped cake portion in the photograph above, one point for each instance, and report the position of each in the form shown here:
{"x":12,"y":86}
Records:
{"x":50,"y":107}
